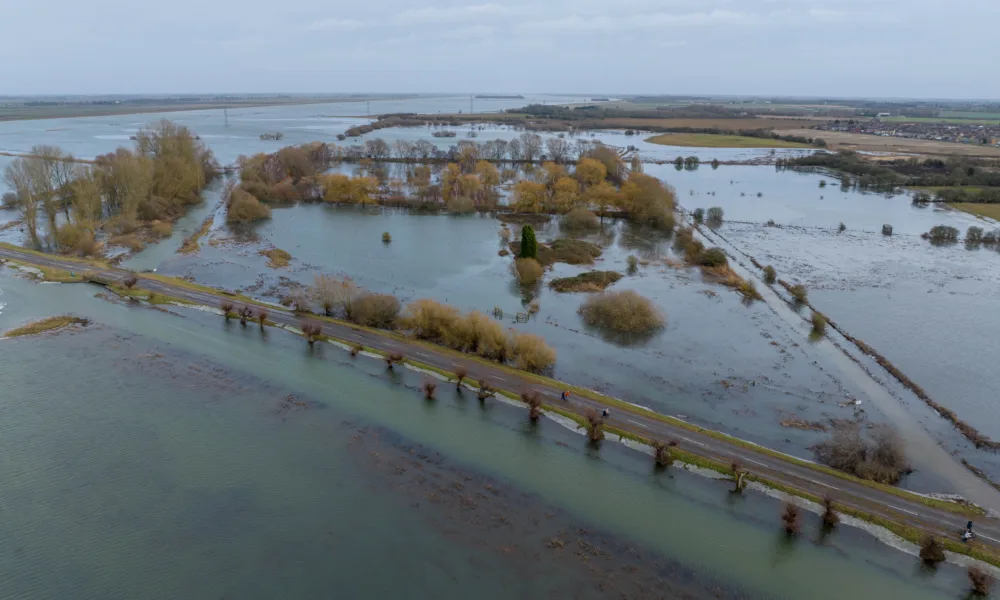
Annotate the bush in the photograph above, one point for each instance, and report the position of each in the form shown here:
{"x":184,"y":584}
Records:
{"x":790,"y":518}
{"x":713,"y":257}
{"x":580,"y":219}
{"x":375,"y":310}
{"x":622,"y":312}
{"x":685,"y":243}
{"x":980,"y":581}
{"x":531,"y":353}
{"x":429,"y":320}
{"x":974,"y":235}
{"x":798,"y":291}
{"x":714,"y":215}
{"x":591,"y":281}
{"x":527,"y":271}
{"x":879,"y":456}
{"x":529,"y":245}
{"x":633,"y":264}
{"x":161,"y":229}
{"x":386,"y":237}
{"x":770,"y":275}
{"x":842,"y":228}
{"x":699,"y":215}
{"x":131,"y":242}
{"x":573,"y":252}
{"x":942,"y":233}
{"x":931,"y":551}
{"x":77,"y":239}
{"x":818,"y":323}
{"x":460,"y":205}
{"x":830,"y":518}
{"x":244,"y":208}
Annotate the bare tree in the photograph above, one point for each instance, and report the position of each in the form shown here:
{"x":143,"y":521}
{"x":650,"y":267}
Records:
{"x":402,"y":149}
{"x":429,"y":388}
{"x":514,"y":150}
{"x":534,"y":402}
{"x":424,"y":149}
{"x":262,"y":318}
{"x":495,"y":150}
{"x":531,"y":145}
{"x":377,"y":149}
{"x":558,"y":149}
{"x":334,"y":294}
{"x":18,"y":177}
{"x":790,"y":518}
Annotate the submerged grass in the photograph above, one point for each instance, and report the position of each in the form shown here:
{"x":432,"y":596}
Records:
{"x":191,"y":243}
{"x":591,"y":281}
{"x":276,"y":258}
{"x":46,"y":324}
{"x":715,"y":140}
{"x":991,"y":211}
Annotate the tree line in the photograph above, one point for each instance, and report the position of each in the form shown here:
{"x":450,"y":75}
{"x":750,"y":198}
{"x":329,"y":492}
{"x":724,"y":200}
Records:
{"x":155,"y":180}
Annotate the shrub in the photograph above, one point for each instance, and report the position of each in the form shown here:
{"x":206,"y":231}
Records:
{"x":942,"y":233}
{"x":974,"y":235}
{"x":992,"y":238}
{"x":595,"y":425}
{"x":529,"y":245}
{"x":375,"y":310}
{"x":386,"y":238}
{"x":161,"y":229}
{"x":244,"y":208}
{"x":580,"y":219}
{"x":798,"y":291}
{"x":227,"y":308}
{"x":76,"y":239}
{"x":713,"y":257}
{"x":276,"y":257}
{"x":879,"y":456}
{"x":633,"y":264}
{"x":460,"y":374}
{"x":790,"y":518}
{"x":591,"y":281}
{"x":131,"y":242}
{"x":699,"y":215}
{"x":714,"y":215}
{"x":392,"y":358}
{"x":622,"y":312}
{"x":842,"y":228}
{"x":531,"y":353}
{"x":830,"y":518}
{"x":573,"y":252}
{"x":533,"y":308}
{"x":981,"y":581}
{"x":931,"y":551}
{"x":661,"y":453}
{"x":461,"y":205}
{"x":818,"y":323}
{"x":429,"y":320}
{"x":311,"y":331}
{"x":534,"y":402}
{"x":685,"y":242}
{"x":770,"y":275}
{"x":527,"y":271}
{"x":429,"y":388}
{"x":131,"y":280}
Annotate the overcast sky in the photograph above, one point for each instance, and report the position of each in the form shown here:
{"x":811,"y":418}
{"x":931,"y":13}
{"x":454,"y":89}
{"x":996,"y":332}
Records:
{"x":915,"y":48}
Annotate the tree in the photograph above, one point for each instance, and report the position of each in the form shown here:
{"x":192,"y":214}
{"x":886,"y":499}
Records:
{"x":17,"y":176}
{"x":590,"y":172}
{"x":530,"y":196}
{"x":565,"y":193}
{"x":495,"y":150}
{"x":514,"y":150}
{"x":529,"y":245}
{"x":489,"y":179}
{"x":468,"y":154}
{"x":604,"y":196}
{"x":531,"y":146}
{"x":377,"y":149}
{"x":450,"y":177}
{"x":552,"y":172}
{"x":424,"y":149}
{"x":334,"y":294}
{"x":403,"y":150}
{"x":558,"y":149}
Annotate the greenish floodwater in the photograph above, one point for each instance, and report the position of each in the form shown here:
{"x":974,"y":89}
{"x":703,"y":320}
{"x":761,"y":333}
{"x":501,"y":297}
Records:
{"x":156,"y":455}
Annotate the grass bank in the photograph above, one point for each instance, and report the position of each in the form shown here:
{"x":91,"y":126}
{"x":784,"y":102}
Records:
{"x":46,"y":324}
{"x":712,"y":140}
{"x":991,"y":211}
{"x":191,"y":243}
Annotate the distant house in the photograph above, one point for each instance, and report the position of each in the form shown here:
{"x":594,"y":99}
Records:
{"x":883,"y":115}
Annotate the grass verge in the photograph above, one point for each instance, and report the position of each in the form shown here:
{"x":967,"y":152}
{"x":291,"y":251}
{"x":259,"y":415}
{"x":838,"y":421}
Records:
{"x":990,"y":211}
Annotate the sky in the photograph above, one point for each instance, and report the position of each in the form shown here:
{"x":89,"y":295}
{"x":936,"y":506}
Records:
{"x":846,"y":48}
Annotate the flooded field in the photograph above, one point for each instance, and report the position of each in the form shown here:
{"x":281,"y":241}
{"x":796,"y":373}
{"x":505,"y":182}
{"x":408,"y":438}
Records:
{"x":178,"y":456}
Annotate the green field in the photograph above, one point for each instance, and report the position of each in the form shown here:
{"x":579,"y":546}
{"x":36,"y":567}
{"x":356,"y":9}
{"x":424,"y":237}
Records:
{"x":711,"y":140}
{"x":967,"y":114}
{"x":991,"y":211}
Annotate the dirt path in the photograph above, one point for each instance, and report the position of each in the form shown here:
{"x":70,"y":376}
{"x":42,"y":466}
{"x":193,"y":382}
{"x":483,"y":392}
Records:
{"x":902,"y":508}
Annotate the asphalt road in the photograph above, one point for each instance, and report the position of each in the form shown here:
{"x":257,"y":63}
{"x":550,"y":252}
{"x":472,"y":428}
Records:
{"x":849,"y":493}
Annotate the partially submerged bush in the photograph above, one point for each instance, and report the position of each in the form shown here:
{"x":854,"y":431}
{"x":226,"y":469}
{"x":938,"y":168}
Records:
{"x":931,"y":551}
{"x":686,"y":244}
{"x":818,"y":323}
{"x":713,"y":257}
{"x":591,"y":281}
{"x":980,"y":581}
{"x":244,"y":208}
{"x":699,"y":215}
{"x":770,"y":275}
{"x":580,"y":219}
{"x":942,"y":233}
{"x":974,"y":235}
{"x":878,"y":456}
{"x":622,"y":312}
{"x":528,"y":271}
{"x":595,"y":425}
{"x":830,"y":518}
{"x":386,"y":237}
{"x":633,"y":264}
{"x":534,"y":402}
{"x":799,"y":293}
{"x":161,"y":229}
{"x":714,"y":216}
{"x":790,"y":518}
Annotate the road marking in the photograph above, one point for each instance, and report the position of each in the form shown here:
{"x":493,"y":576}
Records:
{"x":987,"y":537}
{"x":909,"y":512}
{"x":823,"y":484}
{"x":422,"y":354}
{"x":692,"y":441}
{"x":756,"y":462}
{"x":638,"y":423}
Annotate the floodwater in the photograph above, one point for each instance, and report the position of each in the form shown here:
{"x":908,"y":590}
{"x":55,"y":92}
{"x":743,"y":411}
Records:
{"x":176,"y":455}
{"x":929,"y":309}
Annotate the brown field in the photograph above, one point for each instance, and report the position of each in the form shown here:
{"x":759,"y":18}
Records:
{"x":727,"y":124}
{"x":873,"y":143}
{"x":991,"y":211}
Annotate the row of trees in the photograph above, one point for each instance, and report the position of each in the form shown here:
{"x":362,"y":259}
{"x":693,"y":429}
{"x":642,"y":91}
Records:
{"x":157,"y":179}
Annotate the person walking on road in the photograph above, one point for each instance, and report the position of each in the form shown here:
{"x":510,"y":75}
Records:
{"x":565,"y":396}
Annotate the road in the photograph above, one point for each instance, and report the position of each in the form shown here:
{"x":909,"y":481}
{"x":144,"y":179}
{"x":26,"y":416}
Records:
{"x":870,"y":500}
